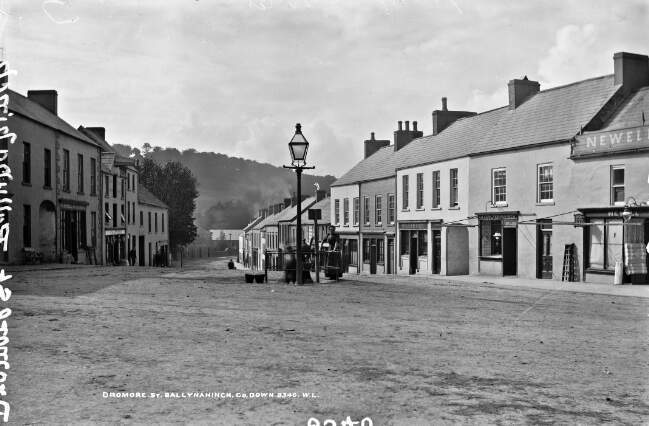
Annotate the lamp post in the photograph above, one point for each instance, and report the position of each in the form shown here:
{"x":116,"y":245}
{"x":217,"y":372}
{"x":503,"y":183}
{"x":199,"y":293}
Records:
{"x":298,"y":147}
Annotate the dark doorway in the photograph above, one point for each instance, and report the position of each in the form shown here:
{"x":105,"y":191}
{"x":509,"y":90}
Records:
{"x":390,"y":258}
{"x":437,"y":251}
{"x":544,"y":249}
{"x":150,"y":255}
{"x":413,"y":253}
{"x":141,"y":250}
{"x":509,"y":251}
{"x":372,"y":256}
{"x":70,"y":233}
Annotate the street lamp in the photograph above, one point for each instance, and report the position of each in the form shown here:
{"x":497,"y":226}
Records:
{"x":298,"y":147}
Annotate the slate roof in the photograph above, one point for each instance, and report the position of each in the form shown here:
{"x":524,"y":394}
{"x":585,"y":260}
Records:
{"x":630,"y":115}
{"x":254,"y":222}
{"x":22,"y":105}
{"x":551,"y":115}
{"x":268,"y":220}
{"x":105,"y":146}
{"x":325,"y":206}
{"x":144,"y":196}
{"x":290,"y":213}
{"x":554,"y":114}
{"x":377,"y":166}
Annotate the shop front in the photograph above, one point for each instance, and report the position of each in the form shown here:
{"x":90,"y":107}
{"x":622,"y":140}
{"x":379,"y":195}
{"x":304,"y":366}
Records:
{"x":374,"y":254}
{"x":616,"y":235}
{"x":350,"y":252}
{"x":115,"y":247}
{"x":498,"y":239}
{"x":413,"y":247}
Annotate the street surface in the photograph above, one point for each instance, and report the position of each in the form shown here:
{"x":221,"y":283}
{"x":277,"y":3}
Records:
{"x":399,"y":351}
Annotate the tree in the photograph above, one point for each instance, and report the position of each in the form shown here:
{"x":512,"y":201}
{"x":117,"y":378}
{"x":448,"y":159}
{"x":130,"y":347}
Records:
{"x":174,"y":185}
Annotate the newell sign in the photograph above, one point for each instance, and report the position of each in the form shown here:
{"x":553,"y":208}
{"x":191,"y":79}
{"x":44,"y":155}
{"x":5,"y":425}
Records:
{"x":602,"y":143}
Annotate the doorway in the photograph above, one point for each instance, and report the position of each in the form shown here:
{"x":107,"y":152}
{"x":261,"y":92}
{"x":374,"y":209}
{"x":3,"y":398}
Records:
{"x":141,"y":250}
{"x":437,"y":251}
{"x":544,"y":249}
{"x":413,"y":254}
{"x":372,"y":256}
{"x":509,"y":251}
{"x":390,"y":258}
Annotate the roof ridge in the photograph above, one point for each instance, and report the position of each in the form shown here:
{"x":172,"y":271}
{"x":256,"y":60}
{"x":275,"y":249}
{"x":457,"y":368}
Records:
{"x":574,"y":83}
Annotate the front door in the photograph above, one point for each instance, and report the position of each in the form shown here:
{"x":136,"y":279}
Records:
{"x":141,"y":250}
{"x":544,"y":250}
{"x":413,"y":253}
{"x":437,"y":251}
{"x":509,"y":251}
{"x":390,"y":258}
{"x":372,"y":256}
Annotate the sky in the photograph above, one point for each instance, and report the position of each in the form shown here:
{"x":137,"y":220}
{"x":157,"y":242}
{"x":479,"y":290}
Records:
{"x":235,"y":76}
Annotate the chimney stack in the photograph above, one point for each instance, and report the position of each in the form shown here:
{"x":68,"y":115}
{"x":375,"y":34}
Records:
{"x":444,"y":118}
{"x":48,"y":99}
{"x":320,"y":195}
{"x":521,"y":90}
{"x":631,"y":70}
{"x":100,"y":132}
{"x":372,"y":145}
{"x":287,"y":202}
{"x":404,"y":137}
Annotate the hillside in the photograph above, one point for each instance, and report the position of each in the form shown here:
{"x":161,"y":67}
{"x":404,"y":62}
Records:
{"x":231,"y":189}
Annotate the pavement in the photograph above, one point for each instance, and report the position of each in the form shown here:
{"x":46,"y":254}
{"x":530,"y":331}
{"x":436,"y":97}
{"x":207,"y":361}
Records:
{"x":550,"y":285}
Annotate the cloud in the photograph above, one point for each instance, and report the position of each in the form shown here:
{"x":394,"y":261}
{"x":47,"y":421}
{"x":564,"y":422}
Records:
{"x":571,"y":57}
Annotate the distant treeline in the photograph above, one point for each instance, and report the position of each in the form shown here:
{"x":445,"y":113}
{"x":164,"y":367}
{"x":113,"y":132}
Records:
{"x":231,"y":189}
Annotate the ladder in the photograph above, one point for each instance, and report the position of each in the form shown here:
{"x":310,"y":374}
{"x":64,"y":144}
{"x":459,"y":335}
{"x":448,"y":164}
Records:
{"x":568,"y":273}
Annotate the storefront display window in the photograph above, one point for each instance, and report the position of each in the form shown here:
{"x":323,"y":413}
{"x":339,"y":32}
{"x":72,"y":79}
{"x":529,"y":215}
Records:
{"x":605,"y":243}
{"x":491,"y":232}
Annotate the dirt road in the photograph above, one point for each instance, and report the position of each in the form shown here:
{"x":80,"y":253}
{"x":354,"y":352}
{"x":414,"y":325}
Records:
{"x":396,"y":352}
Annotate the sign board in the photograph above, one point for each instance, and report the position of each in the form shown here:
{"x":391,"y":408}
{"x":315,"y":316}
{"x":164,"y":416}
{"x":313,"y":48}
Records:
{"x":413,"y":225}
{"x":603,"y":143}
{"x":503,"y":217}
{"x":315,"y":214}
{"x":510,"y":223}
{"x":115,"y":232}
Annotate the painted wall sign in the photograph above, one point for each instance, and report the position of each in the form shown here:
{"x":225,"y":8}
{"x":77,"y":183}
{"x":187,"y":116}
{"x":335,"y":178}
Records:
{"x":611,"y":141}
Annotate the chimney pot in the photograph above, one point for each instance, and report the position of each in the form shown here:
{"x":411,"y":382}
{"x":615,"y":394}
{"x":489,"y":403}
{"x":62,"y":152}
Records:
{"x":414,"y":126}
{"x":372,"y":136}
{"x":400,"y":125}
{"x":444,"y":107}
{"x":407,"y":125}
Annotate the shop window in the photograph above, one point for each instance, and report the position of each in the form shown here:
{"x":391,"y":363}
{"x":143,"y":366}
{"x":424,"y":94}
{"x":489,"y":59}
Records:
{"x":367,"y":242}
{"x":436,"y":189}
{"x":391,"y":210}
{"x":404,"y":185}
{"x":453,"y":200}
{"x":545,"y":182}
{"x":380,"y":254}
{"x":366,"y":210}
{"x":617,"y":185}
{"x":499,"y":186}
{"x":422,"y":243}
{"x":346,"y":211}
{"x":605,"y":243}
{"x":405,"y":242}
{"x":353,"y":252}
{"x":378,"y":213}
{"x":420,"y":190}
{"x":491,"y":232}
